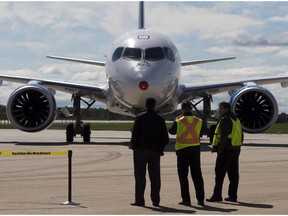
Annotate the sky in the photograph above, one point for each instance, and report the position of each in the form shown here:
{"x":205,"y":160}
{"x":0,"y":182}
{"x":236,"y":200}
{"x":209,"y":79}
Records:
{"x":256,"y":33}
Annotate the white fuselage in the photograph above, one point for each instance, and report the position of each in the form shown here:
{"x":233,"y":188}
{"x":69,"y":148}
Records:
{"x":142,"y":64}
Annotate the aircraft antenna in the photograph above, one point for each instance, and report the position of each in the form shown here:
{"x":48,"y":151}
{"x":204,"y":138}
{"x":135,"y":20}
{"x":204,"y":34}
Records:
{"x":141,"y":15}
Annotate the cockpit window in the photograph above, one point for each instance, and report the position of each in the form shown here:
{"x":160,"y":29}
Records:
{"x":154,"y":54}
{"x":132,"y":53}
{"x":117,"y":54}
{"x":169,"y":54}
{"x":149,"y":54}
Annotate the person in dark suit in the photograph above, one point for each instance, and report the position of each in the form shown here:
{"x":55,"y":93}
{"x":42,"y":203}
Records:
{"x":149,"y":137}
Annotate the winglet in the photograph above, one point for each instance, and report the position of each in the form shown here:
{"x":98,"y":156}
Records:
{"x":141,"y":22}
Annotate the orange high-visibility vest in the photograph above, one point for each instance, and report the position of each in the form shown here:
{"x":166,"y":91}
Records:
{"x":188,"y":132}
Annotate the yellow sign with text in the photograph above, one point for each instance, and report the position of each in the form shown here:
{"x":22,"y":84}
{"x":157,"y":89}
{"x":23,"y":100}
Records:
{"x":33,"y":153}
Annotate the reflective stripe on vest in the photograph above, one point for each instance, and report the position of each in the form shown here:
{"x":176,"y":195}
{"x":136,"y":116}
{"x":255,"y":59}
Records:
{"x":188,"y":130}
{"x":235,"y":135}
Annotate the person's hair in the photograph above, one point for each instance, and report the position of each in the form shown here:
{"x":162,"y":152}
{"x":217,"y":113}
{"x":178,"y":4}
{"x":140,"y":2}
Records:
{"x":186,"y":106}
{"x":225,"y":105}
{"x":150,"y":103}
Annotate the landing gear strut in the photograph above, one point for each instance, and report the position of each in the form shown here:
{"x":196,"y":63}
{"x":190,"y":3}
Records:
{"x":204,"y":115}
{"x":79,"y":128}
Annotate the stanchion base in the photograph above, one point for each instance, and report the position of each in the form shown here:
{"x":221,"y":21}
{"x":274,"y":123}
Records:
{"x":70,"y":203}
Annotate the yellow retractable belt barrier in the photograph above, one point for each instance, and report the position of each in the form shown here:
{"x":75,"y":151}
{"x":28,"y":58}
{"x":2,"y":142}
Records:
{"x":43,"y":153}
{"x":32,"y":153}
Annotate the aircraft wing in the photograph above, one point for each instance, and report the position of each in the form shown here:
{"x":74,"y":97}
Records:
{"x":188,"y":91}
{"x":187,"y":63}
{"x":99,"y":63}
{"x":88,"y":91}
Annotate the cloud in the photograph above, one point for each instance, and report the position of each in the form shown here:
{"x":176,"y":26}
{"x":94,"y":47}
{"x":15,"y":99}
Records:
{"x":244,"y":38}
{"x":202,"y":75}
{"x":90,"y":77}
{"x":250,"y":46}
{"x":50,"y":70}
{"x":199,"y":19}
{"x":19,"y":72}
{"x":74,"y":72}
{"x":119,"y":18}
{"x":60,"y":16}
{"x":244,"y":50}
{"x":278,"y":19}
{"x":34,"y":45}
{"x":41,"y":14}
{"x":256,"y":55}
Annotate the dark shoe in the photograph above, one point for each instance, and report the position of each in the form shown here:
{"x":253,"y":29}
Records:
{"x":156,"y":204}
{"x":229,"y":199}
{"x":201,"y":203}
{"x":185,"y":203}
{"x":214,"y":199}
{"x":137,"y":204}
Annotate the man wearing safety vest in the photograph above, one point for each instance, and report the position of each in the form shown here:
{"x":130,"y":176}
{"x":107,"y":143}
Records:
{"x":187,"y":128}
{"x":227,"y":141}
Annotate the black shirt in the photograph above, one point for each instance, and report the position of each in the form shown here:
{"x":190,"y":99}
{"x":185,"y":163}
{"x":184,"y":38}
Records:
{"x":226,"y":126}
{"x":149,"y":132}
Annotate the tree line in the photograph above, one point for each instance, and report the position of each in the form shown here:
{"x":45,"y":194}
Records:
{"x":105,"y":114}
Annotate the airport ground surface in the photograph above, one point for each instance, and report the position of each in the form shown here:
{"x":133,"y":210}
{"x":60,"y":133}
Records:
{"x":103,"y":182}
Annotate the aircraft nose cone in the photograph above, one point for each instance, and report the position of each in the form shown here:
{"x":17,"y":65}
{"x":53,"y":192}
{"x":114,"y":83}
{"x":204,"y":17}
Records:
{"x":143,"y":85}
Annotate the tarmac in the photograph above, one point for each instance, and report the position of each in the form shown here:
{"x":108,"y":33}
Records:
{"x":103,"y":181}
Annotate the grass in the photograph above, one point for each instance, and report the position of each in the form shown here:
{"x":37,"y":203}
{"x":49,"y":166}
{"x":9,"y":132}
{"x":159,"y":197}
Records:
{"x":116,"y":126}
{"x":278,"y":128}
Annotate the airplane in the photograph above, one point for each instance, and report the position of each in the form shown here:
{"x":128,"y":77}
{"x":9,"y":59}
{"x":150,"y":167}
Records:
{"x":139,"y":64}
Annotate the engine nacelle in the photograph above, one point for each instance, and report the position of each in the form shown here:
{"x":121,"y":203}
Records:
{"x":255,"y":107}
{"x":31,"y":108}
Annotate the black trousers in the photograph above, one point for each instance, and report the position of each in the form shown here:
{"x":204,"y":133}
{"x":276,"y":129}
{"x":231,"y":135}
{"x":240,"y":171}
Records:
{"x":190,"y":158}
{"x":227,"y":162}
{"x":142,"y":158}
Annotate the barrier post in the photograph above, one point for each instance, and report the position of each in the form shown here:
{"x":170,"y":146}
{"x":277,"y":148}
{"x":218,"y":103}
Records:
{"x":69,"y":202}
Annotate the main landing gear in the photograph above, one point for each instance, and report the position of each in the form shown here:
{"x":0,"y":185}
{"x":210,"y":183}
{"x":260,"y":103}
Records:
{"x":204,"y":116}
{"x":72,"y":130}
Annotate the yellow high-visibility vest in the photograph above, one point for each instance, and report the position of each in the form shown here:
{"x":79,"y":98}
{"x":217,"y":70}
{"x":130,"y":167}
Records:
{"x":235,"y":135}
{"x":188,"y":132}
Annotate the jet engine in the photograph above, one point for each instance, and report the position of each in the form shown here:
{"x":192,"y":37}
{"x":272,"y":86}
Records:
{"x":31,"y":108}
{"x":255,"y":107}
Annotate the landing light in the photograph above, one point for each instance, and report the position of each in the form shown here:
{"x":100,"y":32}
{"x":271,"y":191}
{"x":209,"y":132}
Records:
{"x":143,"y":85}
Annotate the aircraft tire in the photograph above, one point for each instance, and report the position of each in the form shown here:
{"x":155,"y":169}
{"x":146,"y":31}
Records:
{"x":70,"y":133}
{"x":86,"y":133}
